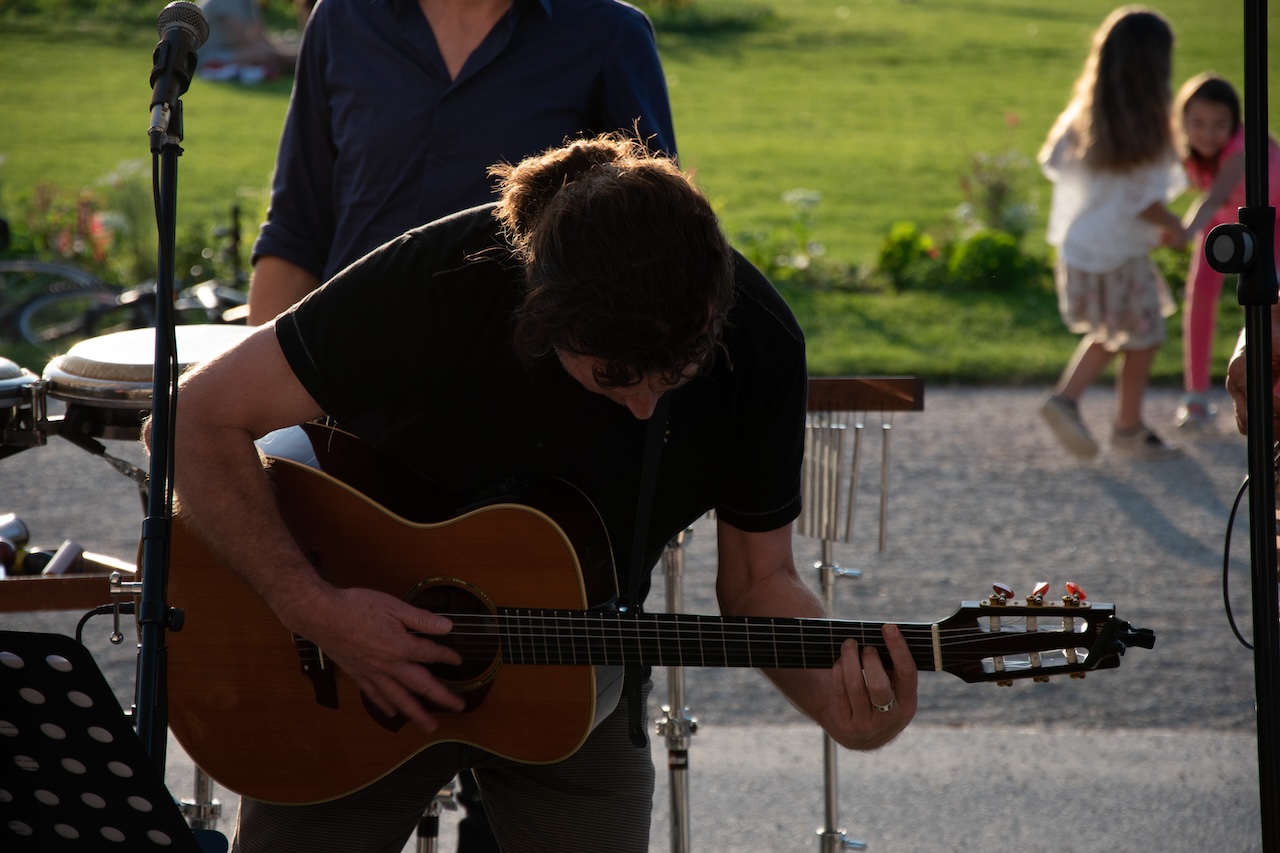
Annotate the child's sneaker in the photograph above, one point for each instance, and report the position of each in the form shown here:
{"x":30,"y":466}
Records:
{"x":1142,"y":443}
{"x":1195,"y":414}
{"x":1063,"y":417}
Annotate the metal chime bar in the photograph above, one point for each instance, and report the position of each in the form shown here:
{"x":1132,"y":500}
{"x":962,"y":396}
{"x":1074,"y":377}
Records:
{"x":833,"y":453}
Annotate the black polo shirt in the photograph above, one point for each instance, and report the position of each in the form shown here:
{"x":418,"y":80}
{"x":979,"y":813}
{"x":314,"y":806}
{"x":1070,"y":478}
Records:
{"x":410,"y":348}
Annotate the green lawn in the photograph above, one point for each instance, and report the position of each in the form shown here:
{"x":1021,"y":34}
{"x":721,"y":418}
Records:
{"x":878,"y":105}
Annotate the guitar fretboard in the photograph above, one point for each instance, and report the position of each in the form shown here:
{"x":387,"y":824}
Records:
{"x":609,"y":638}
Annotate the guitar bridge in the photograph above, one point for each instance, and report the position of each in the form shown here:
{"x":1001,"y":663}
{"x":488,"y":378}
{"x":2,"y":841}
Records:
{"x":319,"y":670}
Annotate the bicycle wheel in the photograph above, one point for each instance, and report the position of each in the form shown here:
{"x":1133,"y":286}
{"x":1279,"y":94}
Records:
{"x":23,"y":279}
{"x":55,"y":321}
{"x":212,"y":302}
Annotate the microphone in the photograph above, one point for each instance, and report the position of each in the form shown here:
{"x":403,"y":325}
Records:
{"x":183,"y":29}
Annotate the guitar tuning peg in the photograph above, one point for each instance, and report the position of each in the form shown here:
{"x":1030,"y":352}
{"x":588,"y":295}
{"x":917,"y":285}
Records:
{"x":1075,"y":594}
{"x":1038,"y":593}
{"x":1003,"y":592}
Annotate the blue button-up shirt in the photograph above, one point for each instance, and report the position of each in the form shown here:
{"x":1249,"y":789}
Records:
{"x":378,"y":139}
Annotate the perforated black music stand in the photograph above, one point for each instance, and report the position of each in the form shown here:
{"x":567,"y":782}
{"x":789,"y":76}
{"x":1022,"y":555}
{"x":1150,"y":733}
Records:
{"x":73,"y":774}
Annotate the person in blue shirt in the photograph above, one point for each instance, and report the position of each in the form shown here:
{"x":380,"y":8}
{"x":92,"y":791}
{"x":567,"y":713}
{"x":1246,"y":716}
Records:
{"x":399,"y":108}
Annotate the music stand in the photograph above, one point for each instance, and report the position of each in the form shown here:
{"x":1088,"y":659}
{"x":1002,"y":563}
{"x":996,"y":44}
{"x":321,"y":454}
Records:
{"x":73,"y":774}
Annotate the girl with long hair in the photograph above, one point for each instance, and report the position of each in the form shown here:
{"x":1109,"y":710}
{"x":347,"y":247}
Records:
{"x":1111,"y":158}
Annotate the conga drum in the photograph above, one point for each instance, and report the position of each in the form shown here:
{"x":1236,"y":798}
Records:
{"x":106,"y":382}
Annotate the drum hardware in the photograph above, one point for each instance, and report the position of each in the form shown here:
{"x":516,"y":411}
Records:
{"x":14,"y":537}
{"x":71,"y":431}
{"x":105,"y":384}
{"x":15,"y":530}
{"x":23,"y":413}
{"x":120,"y":588}
{"x":26,"y":422}
{"x":676,"y":726}
{"x":32,"y":427}
{"x":68,"y":559}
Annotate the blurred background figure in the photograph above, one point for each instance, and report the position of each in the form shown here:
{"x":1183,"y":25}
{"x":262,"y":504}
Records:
{"x":240,"y":47}
{"x":1211,"y":143}
{"x":1111,"y":159}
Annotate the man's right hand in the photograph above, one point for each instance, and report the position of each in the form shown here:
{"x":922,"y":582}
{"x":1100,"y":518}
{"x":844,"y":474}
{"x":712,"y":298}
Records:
{"x":381,"y":643}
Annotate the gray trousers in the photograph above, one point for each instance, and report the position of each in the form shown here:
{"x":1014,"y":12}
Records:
{"x":600,"y":798}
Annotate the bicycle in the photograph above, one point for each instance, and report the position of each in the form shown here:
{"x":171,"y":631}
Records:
{"x":55,"y":321}
{"x":56,"y":317}
{"x":24,"y":279}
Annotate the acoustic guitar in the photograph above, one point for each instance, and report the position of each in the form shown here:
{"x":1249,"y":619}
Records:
{"x":526,"y":575}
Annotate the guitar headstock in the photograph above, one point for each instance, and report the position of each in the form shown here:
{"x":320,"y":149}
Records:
{"x":1003,"y":638}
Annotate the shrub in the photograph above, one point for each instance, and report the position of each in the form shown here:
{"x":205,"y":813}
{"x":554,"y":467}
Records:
{"x":790,"y":256}
{"x":993,"y":261}
{"x":999,"y":191}
{"x":109,"y":229}
{"x":1174,"y":264}
{"x":910,"y":259}
{"x":66,"y":226}
{"x":998,"y":196}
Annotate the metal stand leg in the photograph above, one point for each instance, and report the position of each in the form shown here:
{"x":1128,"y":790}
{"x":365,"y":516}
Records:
{"x":831,"y":837}
{"x":676,"y":726}
{"x":884,"y":483}
{"x":203,"y":811}
{"x":826,"y":459}
{"x":429,"y":823}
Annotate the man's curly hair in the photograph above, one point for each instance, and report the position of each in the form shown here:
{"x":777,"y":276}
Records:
{"x":624,"y":260}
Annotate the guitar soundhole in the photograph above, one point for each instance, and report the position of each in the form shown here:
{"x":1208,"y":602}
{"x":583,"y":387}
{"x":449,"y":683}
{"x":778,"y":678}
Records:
{"x":474,"y":636}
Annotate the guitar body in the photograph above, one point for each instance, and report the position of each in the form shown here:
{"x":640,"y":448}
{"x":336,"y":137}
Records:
{"x":247,"y":714}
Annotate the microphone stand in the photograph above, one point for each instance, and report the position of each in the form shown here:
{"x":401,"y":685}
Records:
{"x":154,"y":615}
{"x":1247,"y":249}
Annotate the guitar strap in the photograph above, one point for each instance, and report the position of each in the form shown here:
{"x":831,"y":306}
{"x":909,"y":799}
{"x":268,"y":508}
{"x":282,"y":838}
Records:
{"x":634,"y":675}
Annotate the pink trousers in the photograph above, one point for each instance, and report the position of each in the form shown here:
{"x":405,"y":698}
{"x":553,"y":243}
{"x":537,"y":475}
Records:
{"x":1200,"y":317}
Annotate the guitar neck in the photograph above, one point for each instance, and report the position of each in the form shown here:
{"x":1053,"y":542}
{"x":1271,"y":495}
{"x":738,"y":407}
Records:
{"x":609,"y":638}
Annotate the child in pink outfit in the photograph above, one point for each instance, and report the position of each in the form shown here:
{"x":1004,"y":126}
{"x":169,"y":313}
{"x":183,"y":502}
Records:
{"x":1211,"y":144}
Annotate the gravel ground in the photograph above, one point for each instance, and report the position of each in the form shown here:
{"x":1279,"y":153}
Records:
{"x":978,"y":492}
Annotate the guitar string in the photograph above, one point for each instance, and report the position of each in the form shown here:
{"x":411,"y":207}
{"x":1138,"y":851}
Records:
{"x":765,"y":624}
{"x":517,"y":628}
{"x":542,"y":626}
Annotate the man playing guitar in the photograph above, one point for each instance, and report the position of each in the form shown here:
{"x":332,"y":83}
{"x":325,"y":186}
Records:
{"x":532,"y":338}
